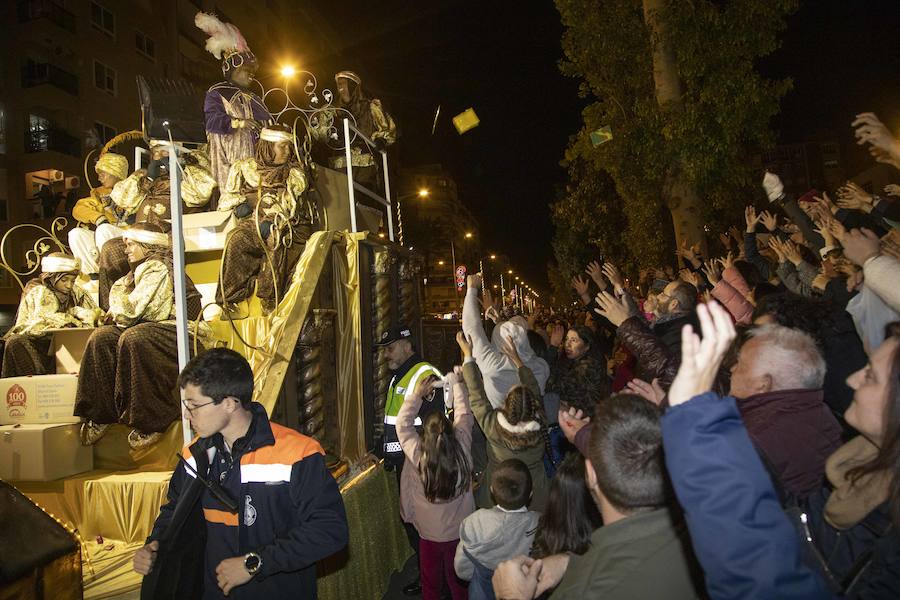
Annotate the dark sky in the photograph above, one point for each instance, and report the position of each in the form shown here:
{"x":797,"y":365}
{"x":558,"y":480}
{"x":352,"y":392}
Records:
{"x":500,"y":57}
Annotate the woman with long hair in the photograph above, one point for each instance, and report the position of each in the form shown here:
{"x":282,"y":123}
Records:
{"x":518,"y":429}
{"x":570,"y":516}
{"x":436,"y":481}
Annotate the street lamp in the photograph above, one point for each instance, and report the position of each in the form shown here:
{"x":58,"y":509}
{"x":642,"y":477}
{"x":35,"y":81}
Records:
{"x":288,"y":71}
{"x":421,"y":193}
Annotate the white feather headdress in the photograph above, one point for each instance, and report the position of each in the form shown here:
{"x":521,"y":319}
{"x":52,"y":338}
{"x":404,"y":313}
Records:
{"x":224,"y":38}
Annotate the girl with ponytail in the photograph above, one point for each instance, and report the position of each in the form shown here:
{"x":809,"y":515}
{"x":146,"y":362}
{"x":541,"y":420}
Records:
{"x":436,"y":479}
{"x":518,"y":429}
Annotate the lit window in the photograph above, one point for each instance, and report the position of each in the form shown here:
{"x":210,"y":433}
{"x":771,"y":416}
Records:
{"x":145,"y":45}
{"x":103,"y":20}
{"x":105,"y":78}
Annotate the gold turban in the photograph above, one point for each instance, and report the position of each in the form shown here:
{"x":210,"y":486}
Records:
{"x":348,"y":75}
{"x":114,"y":164}
{"x":275,"y":135}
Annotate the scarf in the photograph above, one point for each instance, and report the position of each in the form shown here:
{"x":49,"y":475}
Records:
{"x":850,"y":502}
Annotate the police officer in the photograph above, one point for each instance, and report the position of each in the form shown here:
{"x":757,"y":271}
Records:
{"x":407,"y":367}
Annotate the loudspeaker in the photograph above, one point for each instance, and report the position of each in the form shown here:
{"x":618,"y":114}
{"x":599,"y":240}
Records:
{"x":171,"y":105}
{"x":39,"y":558}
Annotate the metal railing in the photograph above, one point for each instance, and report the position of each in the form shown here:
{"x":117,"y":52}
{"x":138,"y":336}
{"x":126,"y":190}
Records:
{"x":52,"y":140}
{"x":354,"y":187}
{"x":34,"y":74}
{"x":30,"y":10}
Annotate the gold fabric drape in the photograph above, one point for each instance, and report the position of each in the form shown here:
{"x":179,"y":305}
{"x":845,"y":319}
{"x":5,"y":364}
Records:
{"x":350,"y":412}
{"x":276,"y":334}
{"x":123,"y":506}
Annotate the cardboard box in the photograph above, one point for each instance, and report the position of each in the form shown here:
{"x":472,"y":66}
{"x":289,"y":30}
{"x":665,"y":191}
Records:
{"x":42,"y":452}
{"x":68,"y":345}
{"x":206,"y":230}
{"x":38,"y":399}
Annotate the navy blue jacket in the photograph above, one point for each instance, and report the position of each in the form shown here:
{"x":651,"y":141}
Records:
{"x":747,"y":546}
{"x":290,"y":509}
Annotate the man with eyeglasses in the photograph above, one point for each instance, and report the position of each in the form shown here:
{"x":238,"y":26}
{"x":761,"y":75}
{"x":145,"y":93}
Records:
{"x":269,"y":506}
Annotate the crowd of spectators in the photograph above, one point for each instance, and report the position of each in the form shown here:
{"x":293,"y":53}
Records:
{"x":726,"y":429}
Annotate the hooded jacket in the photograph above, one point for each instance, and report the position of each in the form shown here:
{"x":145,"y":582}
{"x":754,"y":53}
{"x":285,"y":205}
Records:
{"x":521,"y":440}
{"x":492,"y":535}
{"x":498,"y":371}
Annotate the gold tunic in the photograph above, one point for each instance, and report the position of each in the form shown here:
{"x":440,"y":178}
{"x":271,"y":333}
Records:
{"x":130,"y":193}
{"x":282,"y":202}
{"x":39,"y":311}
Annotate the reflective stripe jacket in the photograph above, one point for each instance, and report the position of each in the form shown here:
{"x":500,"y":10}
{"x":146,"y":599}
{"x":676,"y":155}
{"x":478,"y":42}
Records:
{"x":290,"y":510}
{"x":405,"y":378}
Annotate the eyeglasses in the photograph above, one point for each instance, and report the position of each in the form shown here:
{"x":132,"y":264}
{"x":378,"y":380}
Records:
{"x":191,"y":409}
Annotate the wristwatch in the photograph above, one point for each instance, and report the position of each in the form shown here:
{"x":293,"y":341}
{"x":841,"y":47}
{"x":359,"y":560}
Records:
{"x":252,"y":562}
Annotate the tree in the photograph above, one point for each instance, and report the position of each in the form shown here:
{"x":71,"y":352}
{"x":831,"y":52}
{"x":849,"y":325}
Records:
{"x":676,"y":82}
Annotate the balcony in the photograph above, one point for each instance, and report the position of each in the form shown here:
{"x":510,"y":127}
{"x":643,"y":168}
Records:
{"x":34,"y":74}
{"x":31,"y":10}
{"x":52,"y":139}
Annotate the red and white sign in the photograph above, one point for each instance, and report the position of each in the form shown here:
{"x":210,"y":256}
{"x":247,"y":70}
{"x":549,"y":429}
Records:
{"x":16,"y":402}
{"x":461,"y":276}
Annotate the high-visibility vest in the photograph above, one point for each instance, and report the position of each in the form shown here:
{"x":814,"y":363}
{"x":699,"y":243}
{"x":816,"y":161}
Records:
{"x":398,"y":388}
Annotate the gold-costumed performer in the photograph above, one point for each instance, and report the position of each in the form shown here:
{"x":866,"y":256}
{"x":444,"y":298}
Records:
{"x":266,"y":195}
{"x":130,"y":366}
{"x":51,"y":301}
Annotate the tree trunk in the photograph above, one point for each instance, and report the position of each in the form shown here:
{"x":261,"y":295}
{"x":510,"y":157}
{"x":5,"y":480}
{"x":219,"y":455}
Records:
{"x":680,"y":194}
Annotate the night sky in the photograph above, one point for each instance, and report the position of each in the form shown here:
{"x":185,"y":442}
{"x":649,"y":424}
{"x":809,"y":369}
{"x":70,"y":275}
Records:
{"x":500,"y":57}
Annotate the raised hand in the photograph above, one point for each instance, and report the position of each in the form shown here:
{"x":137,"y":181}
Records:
{"x":464,"y":343}
{"x":776,"y":246}
{"x":487,"y":302}
{"x":700,"y":360}
{"x":892,"y":189}
{"x":769,"y":220}
{"x":711,"y":271}
{"x":616,"y":311}
{"x":870,"y":130}
{"x":571,"y":421}
{"x":613,"y":274}
{"x":689,"y":276}
{"x":726,"y":241}
{"x":751,"y":218}
{"x":728,"y":261}
{"x":594,"y":272}
{"x":791,"y":252}
{"x":853,"y":197}
{"x":557,"y":333}
{"x":651,"y":391}
{"x":581,"y":285}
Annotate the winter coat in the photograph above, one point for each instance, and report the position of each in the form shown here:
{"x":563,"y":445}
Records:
{"x":746,"y":544}
{"x":498,"y":371}
{"x":795,"y":433}
{"x":522,"y":440}
{"x":492,"y":535}
{"x":435,"y":521}
{"x":290,"y":510}
{"x":732,"y":292}
{"x":655,"y":359}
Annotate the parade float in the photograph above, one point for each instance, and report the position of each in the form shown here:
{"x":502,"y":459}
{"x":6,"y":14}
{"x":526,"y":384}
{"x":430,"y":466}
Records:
{"x":313,"y":355}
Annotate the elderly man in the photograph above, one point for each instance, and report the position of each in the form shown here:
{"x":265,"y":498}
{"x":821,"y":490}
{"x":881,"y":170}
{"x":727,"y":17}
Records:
{"x":777,"y":381}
